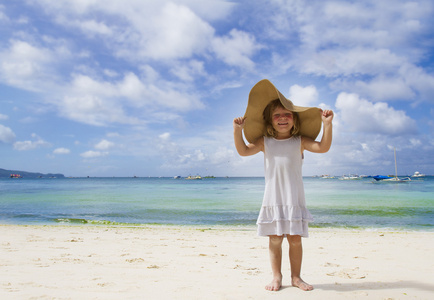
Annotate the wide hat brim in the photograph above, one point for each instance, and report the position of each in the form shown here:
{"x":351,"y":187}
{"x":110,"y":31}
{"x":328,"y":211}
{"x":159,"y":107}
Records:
{"x":263,"y":93}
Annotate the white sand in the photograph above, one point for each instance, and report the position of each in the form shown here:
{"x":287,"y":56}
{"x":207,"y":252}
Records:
{"x":89,"y":262}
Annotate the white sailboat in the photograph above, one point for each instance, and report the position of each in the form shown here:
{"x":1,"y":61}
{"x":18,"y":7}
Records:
{"x":393,"y":179}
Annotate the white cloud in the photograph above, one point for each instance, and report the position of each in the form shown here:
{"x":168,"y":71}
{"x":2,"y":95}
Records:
{"x":162,"y":30}
{"x":165,"y":136}
{"x":23,"y":61}
{"x":222,"y":155}
{"x":236,"y":49}
{"x":93,"y":110}
{"x":419,"y":80}
{"x":189,"y":71}
{"x":362,"y":116}
{"x":110,"y":73}
{"x":415,"y":142}
{"x":32,"y":67}
{"x":345,"y":62}
{"x":93,"y":154}
{"x":371,"y":23}
{"x":95,"y":102}
{"x":303,"y":96}
{"x":30,"y":145}
{"x":6,"y":134}
{"x":199,"y":155}
{"x":409,"y":83}
{"x":61,"y":151}
{"x":113,"y":134}
{"x":370,"y":47}
{"x":210,"y":10}
{"x":131,"y":87}
{"x":3,"y":16}
{"x":175,"y":32}
{"x":156,"y":30}
{"x":3,"y":117}
{"x":380,"y":88}
{"x":92,"y":27}
{"x":104,"y":145}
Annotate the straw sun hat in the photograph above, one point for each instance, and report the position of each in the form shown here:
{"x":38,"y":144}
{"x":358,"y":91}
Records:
{"x":263,"y":93}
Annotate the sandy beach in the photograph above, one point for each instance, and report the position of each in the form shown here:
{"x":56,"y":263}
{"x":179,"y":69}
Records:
{"x":165,"y":262}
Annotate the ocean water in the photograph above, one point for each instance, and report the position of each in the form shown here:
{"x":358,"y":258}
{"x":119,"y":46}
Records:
{"x":215,"y":201}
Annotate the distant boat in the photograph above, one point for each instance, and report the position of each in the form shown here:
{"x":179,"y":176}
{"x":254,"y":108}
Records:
{"x":396,"y":179}
{"x":350,"y":177}
{"x":16,"y":176}
{"x":381,"y":178}
{"x":177,"y":177}
{"x":417,"y":174}
{"x":327,"y":176}
{"x":197,"y":177}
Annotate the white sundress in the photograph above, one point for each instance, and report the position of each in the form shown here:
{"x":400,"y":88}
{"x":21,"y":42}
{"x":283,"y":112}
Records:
{"x":283,"y":210}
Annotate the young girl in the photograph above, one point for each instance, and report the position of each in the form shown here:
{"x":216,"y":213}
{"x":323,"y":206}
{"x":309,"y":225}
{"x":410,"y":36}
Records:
{"x":273,"y":125}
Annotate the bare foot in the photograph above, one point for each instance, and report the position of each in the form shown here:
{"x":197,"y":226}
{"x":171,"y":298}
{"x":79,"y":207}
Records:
{"x":274,"y":285}
{"x":298,"y":282}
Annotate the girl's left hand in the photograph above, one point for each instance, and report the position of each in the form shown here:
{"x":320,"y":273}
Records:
{"x":327,"y":116}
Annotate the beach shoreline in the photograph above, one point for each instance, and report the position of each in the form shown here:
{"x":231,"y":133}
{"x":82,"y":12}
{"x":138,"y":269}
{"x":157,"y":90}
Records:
{"x":211,"y":262}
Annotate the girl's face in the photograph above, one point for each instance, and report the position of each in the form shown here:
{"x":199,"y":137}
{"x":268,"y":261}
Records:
{"x":282,"y":121}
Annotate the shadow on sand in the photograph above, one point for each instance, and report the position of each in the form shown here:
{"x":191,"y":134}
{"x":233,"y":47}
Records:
{"x":343,"y":287}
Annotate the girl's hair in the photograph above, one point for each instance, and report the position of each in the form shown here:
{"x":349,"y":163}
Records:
{"x":268,"y":117}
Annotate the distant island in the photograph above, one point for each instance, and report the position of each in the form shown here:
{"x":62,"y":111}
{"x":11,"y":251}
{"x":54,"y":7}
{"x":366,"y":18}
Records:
{"x":7,"y":173}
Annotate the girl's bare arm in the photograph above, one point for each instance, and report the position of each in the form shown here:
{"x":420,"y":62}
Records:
{"x":326,"y":140}
{"x":240,"y":145}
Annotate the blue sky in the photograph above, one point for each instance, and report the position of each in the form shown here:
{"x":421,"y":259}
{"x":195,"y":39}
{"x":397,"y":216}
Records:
{"x":150,"y":88}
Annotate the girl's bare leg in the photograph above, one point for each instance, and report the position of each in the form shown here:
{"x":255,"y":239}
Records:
{"x":295,"y":258}
{"x":275,"y":249}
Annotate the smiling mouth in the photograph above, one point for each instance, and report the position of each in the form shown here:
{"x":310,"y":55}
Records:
{"x":282,"y":124}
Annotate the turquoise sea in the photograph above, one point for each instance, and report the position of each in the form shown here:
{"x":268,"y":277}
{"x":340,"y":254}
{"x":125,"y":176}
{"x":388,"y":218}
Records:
{"x":214,"y":201}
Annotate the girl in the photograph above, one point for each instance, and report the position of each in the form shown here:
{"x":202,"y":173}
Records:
{"x":273,"y":125}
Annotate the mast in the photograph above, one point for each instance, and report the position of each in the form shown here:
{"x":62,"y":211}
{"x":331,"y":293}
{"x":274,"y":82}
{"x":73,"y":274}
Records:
{"x":396,"y":169}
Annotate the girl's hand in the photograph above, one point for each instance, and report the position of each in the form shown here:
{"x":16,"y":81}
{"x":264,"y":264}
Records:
{"x":327,"y":116}
{"x":239,"y":122}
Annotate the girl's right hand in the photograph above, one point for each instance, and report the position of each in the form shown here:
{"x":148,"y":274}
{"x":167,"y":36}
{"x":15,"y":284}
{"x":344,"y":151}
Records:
{"x":239,"y":122}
